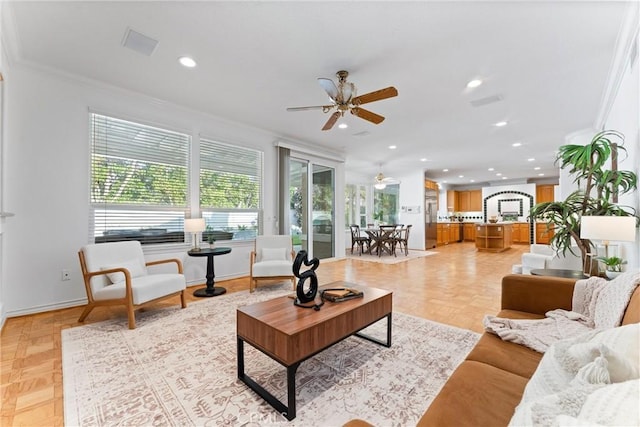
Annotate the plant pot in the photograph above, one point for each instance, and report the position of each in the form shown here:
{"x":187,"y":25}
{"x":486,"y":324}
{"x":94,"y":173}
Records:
{"x":612,"y":274}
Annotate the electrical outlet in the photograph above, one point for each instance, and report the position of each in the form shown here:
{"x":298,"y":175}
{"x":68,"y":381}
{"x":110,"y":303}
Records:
{"x":66,"y":275}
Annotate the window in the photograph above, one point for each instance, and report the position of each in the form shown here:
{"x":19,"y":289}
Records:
{"x":385,"y":204}
{"x":139,"y":182}
{"x":356,"y":205}
{"x":230,"y":190}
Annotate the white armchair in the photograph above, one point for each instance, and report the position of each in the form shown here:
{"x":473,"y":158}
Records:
{"x":272,"y":258}
{"x":543,"y":256}
{"x":116,"y":274}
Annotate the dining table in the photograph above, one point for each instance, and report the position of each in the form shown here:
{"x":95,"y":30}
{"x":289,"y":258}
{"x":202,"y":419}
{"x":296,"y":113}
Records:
{"x":381,"y":239}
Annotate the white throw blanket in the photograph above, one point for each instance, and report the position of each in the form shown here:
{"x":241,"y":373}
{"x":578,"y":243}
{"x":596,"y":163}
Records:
{"x":597,"y":304}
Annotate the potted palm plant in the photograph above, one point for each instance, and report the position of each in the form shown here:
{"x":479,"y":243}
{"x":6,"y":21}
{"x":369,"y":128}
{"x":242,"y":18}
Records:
{"x":599,"y":187}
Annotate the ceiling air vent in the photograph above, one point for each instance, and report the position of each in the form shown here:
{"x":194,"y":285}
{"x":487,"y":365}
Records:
{"x":363,"y":133}
{"x":486,"y":101}
{"x":139,"y":42}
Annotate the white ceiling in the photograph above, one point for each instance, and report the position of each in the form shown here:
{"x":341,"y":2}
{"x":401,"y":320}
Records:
{"x":548,"y":60}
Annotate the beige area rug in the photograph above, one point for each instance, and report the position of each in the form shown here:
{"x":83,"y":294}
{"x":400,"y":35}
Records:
{"x":178,"y":368}
{"x":389,"y":259}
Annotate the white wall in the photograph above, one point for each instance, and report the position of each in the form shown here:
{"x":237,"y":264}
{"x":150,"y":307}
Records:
{"x":623,"y":116}
{"x":47,"y":182}
{"x":412,"y":195}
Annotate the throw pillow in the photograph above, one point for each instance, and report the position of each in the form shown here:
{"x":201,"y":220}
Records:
{"x":134,"y":267}
{"x":273,"y":254}
{"x":572,"y":370}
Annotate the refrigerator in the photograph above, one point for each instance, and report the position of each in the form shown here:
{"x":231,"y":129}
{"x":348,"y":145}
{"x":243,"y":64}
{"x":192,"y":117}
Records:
{"x":431,"y":218}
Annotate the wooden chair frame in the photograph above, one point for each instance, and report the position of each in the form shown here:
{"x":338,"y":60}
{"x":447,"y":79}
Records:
{"x":127,"y":301}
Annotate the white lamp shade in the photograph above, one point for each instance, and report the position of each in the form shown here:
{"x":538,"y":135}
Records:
{"x":194,"y":225}
{"x":611,"y":228}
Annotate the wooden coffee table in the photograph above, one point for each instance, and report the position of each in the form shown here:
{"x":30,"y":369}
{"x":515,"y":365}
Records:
{"x":290,"y":334}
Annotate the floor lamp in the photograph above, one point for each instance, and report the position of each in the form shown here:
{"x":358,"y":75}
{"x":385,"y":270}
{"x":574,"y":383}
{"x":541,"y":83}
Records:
{"x":195,"y":226}
{"x":606,"y":229}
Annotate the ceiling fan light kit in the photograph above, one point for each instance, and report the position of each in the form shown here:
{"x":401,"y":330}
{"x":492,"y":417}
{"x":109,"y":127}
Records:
{"x":343,"y":98}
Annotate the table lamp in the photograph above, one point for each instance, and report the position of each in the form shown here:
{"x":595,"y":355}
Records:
{"x":195,"y":226}
{"x":608,"y":228}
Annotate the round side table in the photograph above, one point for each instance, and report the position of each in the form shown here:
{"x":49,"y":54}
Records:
{"x":210,"y":290}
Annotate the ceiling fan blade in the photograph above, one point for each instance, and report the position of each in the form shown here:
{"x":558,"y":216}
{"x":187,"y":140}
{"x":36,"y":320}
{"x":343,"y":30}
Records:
{"x":332,"y":121}
{"x":313,"y":107}
{"x":388,"y":92}
{"x":367,"y":115}
{"x":330,"y":87}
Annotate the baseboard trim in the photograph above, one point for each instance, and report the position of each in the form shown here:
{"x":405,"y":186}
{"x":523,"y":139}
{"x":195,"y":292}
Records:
{"x":3,"y":316}
{"x":47,"y":307}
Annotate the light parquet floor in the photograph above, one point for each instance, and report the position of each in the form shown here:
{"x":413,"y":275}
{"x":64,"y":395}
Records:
{"x":458,"y":287}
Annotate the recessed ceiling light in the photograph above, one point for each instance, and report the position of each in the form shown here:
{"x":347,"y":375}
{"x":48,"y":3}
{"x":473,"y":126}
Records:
{"x":444,"y":182}
{"x":490,"y":169}
{"x":343,"y":125}
{"x":537,"y":168}
{"x":540,"y":174}
{"x":531,"y":159}
{"x":504,"y":177}
{"x":392,"y":147}
{"x":187,"y":61}
{"x":460,"y":176}
{"x":424,"y":159}
{"x":474,"y":83}
{"x":498,"y":174}
{"x":500,"y":124}
{"x":472,"y":180}
{"x":445,"y":170}
{"x":516,"y":144}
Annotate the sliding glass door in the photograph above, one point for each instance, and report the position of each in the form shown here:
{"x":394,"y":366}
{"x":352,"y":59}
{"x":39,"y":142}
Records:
{"x":311,"y":202}
{"x":323,"y":197}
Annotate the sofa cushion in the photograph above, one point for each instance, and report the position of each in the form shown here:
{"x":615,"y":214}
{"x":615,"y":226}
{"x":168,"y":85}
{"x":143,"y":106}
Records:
{"x":514,"y":358}
{"x":477,"y":394}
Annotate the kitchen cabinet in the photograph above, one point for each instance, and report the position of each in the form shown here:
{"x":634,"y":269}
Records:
{"x":464,"y":201}
{"x":469,"y":232}
{"x":467,"y":201}
{"x":521,"y":232}
{"x":448,"y":233}
{"x":440,"y":235}
{"x":452,"y":201}
{"x":454,"y":232}
{"x":544,"y":193}
{"x":475,"y":200}
{"x":544,"y":235}
{"x":494,"y":237}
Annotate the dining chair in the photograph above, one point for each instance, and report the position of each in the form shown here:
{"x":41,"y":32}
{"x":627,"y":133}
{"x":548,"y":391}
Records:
{"x":358,"y":239}
{"x":403,"y":239}
{"x":387,"y":239}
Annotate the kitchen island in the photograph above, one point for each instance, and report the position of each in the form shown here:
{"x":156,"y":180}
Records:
{"x":492,"y":237}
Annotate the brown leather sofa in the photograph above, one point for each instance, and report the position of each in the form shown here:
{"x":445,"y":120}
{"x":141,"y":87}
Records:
{"x":487,"y":386}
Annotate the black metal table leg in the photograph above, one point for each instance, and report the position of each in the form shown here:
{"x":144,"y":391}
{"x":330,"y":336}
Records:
{"x":289,"y":412}
{"x":375,"y":340}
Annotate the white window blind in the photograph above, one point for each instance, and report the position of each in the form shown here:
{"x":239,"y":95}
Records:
{"x":139,"y":181}
{"x":230,"y":190}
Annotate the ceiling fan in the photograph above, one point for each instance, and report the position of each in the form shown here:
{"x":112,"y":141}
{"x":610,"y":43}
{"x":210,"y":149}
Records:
{"x":343,"y":98}
{"x":381,"y":181}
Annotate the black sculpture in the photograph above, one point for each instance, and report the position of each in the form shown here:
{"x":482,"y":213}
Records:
{"x":304,"y":297}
